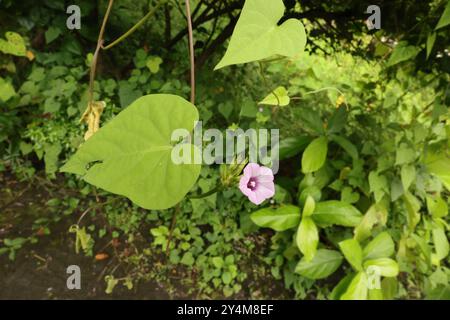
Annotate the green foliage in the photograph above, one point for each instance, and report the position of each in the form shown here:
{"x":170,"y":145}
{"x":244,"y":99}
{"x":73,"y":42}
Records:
{"x":257,"y":35}
{"x":128,"y":146}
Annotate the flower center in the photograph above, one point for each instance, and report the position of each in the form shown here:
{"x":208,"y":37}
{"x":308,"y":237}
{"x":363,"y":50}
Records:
{"x":252,"y":184}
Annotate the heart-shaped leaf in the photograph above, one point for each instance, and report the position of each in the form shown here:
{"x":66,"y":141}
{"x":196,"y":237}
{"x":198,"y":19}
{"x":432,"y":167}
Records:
{"x":14,"y":44}
{"x":279,"y":97}
{"x":257,"y":35}
{"x":132,"y":154}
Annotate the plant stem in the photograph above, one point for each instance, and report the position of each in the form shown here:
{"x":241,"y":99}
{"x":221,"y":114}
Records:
{"x":137,"y":25}
{"x":94,"y":59}
{"x":206,"y":194}
{"x":191,"y":49}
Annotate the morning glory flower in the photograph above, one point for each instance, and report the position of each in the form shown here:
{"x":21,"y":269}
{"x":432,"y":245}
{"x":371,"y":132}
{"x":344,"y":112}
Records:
{"x":257,"y":183}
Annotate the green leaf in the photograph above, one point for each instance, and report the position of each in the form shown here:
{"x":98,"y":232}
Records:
{"x":307,"y":238}
{"x":312,"y":120}
{"x":341,"y":287}
{"x":309,"y":207}
{"x":352,"y":252}
{"x":382,"y":246}
{"x":386,"y":266}
{"x":424,"y":247}
{"x":430,"y":43}
{"x":217,"y":262}
{"x":445,"y":18}
{"x":51,"y":34}
{"x":441,"y":292}
{"x":336,"y":212}
{"x":132,"y":154}
{"x":257,"y":35}
{"x":6,"y":90}
{"x":14,"y":44}
{"x":290,"y":147}
{"x":187,"y":259}
{"x":345,"y":144}
{"x":378,"y":185}
{"x":408,"y":174}
{"x":153,"y":64}
{"x":402,"y":52}
{"x":404,"y":154}
{"x":439,"y":165}
{"x":377,"y":214}
{"x":389,"y":286}
{"x":413,"y":206}
{"x":357,"y":289}
{"x":324,"y":263}
{"x":437,"y":208}
{"x":337,"y":120}
{"x":279,"y":97}
{"x":280,"y":219}
{"x":315,"y":155}
{"x":440,"y":243}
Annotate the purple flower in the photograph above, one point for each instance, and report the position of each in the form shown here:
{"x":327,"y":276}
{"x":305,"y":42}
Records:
{"x":257,"y":183}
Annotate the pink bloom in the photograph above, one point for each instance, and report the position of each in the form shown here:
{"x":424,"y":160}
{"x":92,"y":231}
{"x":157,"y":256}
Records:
{"x":257,"y":183}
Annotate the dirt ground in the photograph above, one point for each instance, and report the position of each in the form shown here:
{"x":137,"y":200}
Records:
{"x":39,"y":270}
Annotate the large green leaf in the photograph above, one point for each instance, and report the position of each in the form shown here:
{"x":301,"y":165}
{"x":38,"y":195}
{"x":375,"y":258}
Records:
{"x":357,"y":290}
{"x":324,"y":263}
{"x":280,"y":219}
{"x":386,"y":266}
{"x":257,"y":35}
{"x":132,"y":154}
{"x":315,"y":155}
{"x":352,"y":252}
{"x":307,"y":238}
{"x":382,"y":246}
{"x":336,"y":212}
{"x":445,"y":18}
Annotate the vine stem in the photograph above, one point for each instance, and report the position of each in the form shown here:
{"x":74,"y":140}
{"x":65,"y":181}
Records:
{"x":150,"y":14}
{"x":97,"y":49}
{"x":192,"y":60}
{"x":191,"y":49}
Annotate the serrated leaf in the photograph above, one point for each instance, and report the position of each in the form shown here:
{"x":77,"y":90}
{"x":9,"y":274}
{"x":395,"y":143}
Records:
{"x":280,"y":219}
{"x":307,"y":238}
{"x":315,"y":155}
{"x":335,"y":212}
{"x":279,"y":97}
{"x":257,"y":35}
{"x":132,"y":154}
{"x":324,"y":263}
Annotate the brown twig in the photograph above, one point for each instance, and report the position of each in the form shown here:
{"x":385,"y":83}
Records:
{"x":192,"y":58}
{"x":97,"y":49}
{"x":191,"y":49}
